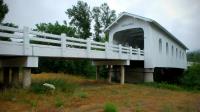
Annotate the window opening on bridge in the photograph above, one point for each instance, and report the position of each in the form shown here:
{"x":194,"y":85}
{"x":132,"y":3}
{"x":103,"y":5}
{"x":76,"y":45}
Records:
{"x":160,"y":45}
{"x":167,"y":48}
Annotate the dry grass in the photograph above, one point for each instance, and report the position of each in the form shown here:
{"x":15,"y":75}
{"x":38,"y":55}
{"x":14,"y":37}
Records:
{"x":92,"y":96}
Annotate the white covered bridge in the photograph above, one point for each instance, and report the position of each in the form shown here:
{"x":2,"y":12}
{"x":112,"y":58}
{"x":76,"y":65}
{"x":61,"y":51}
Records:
{"x":135,"y":44}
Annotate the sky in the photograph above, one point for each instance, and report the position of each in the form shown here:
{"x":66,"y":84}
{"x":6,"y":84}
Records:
{"x":180,"y":17}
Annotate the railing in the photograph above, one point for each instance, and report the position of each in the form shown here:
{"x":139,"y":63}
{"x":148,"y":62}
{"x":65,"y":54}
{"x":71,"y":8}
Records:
{"x":29,"y":37}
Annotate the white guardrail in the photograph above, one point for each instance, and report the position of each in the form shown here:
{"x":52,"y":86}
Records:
{"x":30,"y":37}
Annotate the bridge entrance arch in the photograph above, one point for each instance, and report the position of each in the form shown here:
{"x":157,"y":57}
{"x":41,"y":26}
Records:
{"x":133,"y":37}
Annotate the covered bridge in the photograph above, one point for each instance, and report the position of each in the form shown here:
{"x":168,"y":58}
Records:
{"x":163,"y":52}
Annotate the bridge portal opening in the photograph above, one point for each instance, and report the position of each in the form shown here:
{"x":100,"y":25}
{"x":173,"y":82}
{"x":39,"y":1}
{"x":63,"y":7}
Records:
{"x":134,"y":38}
{"x":130,"y":37}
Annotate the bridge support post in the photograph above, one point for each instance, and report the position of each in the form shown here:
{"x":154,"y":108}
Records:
{"x":6,"y":76}
{"x":110,"y":73}
{"x":122,"y":70}
{"x":148,"y":75}
{"x":15,"y":76}
{"x":26,"y":77}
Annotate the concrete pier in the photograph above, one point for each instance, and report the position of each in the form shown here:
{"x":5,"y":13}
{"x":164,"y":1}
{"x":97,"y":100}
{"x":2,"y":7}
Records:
{"x":122,"y":73}
{"x":26,"y":77}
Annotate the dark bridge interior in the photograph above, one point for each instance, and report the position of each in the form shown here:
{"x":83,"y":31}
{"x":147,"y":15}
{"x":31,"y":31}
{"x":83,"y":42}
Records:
{"x":130,"y":37}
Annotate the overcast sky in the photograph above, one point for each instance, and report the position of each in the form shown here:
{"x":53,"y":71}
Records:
{"x":180,"y":17}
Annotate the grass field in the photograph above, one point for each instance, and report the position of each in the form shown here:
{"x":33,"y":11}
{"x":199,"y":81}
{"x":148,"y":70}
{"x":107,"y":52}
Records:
{"x":78,"y":94}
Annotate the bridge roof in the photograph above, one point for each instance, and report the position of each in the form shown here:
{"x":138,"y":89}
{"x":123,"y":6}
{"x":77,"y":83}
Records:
{"x":150,"y":21}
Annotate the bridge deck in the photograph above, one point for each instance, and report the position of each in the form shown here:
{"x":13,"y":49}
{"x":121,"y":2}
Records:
{"x":25,"y":42}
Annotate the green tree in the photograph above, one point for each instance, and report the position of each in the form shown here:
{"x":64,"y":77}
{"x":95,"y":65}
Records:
{"x":80,"y":16}
{"x":108,"y":16}
{"x":103,"y":16}
{"x":96,"y":14}
{"x":191,"y":77}
{"x":3,"y":10}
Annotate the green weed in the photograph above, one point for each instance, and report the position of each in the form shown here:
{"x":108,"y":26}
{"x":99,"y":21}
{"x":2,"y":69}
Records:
{"x":109,"y":107}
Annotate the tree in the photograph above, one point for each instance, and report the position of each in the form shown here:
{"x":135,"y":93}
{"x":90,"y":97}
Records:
{"x":96,"y":14}
{"x":108,"y":15}
{"x":80,"y":16}
{"x":3,"y":10}
{"x":103,"y":16}
{"x":191,"y":77}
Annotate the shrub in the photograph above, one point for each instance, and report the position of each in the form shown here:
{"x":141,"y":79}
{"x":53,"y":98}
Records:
{"x":191,"y":77}
{"x":109,"y":107}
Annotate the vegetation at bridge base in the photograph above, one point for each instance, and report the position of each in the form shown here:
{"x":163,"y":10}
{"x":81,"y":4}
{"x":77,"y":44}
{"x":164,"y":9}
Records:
{"x":191,"y":77}
{"x":60,"y":84}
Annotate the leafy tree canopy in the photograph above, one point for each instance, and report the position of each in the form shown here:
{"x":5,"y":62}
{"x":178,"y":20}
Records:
{"x":103,"y":16}
{"x":96,"y":14}
{"x":80,"y":16}
{"x":108,"y":15}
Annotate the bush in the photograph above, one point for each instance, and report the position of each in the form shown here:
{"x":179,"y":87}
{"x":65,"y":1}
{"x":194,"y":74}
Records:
{"x":191,"y":77}
{"x":61,"y":85}
{"x":109,"y":107}
{"x":83,"y":66}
